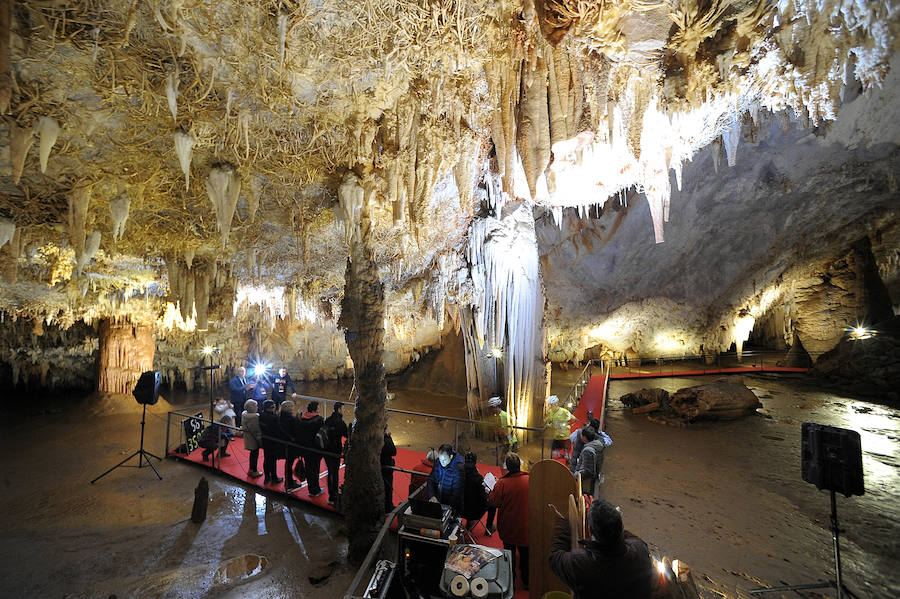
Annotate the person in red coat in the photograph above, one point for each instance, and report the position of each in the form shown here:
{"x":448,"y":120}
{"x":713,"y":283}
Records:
{"x":510,"y":497}
{"x":417,"y":480}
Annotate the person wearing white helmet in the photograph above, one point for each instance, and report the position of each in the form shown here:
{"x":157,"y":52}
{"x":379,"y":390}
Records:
{"x":558,"y":423}
{"x":506,"y":434}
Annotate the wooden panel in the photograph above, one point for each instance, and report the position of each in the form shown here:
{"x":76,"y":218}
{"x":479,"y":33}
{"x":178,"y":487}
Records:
{"x":550,"y":482}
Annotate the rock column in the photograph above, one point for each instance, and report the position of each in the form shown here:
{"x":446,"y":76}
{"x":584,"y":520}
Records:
{"x":126,"y":350}
{"x":362,"y":319}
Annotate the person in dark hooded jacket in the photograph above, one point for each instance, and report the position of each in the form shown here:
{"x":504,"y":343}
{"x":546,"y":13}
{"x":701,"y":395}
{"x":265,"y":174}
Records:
{"x":614,"y":564}
{"x":475,"y":499}
{"x":446,"y":481}
{"x":310,"y":423}
{"x":273,"y":448}
{"x":590,"y":461}
{"x":290,"y":431}
{"x":337,"y":432}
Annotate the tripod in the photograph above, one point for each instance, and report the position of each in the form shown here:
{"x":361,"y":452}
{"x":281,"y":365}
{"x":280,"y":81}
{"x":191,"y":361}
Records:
{"x":141,"y":453}
{"x":833,"y":584}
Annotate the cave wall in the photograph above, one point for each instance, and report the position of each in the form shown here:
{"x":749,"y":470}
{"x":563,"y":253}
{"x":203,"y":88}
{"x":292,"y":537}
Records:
{"x":799,"y":195}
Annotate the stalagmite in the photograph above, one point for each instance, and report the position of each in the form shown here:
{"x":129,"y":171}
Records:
{"x":118,"y":211}
{"x":48,"y":130}
{"x":20,"y":141}
{"x":184,"y":147}
{"x":223,"y":187}
{"x":172,"y":94}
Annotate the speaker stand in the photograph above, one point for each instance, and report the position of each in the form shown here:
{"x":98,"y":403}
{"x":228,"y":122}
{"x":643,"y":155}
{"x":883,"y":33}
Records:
{"x":140,"y":453}
{"x":836,"y":584}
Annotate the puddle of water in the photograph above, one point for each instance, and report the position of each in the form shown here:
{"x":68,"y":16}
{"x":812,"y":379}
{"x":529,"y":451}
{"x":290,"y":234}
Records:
{"x":240,"y":568}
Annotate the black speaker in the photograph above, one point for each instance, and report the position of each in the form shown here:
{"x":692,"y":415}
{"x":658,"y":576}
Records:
{"x":831,"y":458}
{"x":146,"y":391}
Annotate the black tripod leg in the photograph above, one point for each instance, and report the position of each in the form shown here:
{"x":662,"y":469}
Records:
{"x":151,"y":464}
{"x":116,"y":466}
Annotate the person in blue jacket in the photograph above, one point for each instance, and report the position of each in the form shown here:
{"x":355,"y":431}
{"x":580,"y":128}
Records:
{"x":446,"y":481}
{"x":261,"y":389}
{"x":240,"y":389}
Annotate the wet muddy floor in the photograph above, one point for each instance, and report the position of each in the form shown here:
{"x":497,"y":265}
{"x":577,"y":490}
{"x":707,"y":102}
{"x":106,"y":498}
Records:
{"x":727,"y":498}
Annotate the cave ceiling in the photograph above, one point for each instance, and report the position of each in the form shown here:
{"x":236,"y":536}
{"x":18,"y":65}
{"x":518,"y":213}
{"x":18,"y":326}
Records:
{"x":143,"y":140}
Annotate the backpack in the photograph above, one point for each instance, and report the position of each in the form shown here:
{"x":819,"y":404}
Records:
{"x":321,"y":439}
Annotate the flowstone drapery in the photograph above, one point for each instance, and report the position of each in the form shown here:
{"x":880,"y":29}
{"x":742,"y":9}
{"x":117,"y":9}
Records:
{"x":508,"y":307}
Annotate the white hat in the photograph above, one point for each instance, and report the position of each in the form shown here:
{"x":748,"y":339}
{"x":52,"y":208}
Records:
{"x":494,"y":402}
{"x":553,"y":400}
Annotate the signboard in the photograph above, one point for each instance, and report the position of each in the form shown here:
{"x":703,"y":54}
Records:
{"x":192,"y":426}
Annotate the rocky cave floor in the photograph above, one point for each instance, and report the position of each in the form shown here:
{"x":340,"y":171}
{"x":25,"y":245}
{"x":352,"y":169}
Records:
{"x":726,"y":498}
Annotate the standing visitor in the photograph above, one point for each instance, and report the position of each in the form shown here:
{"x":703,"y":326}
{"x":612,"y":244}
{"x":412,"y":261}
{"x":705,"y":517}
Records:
{"x":273,"y":448}
{"x":291,"y":432}
{"x":240,"y":389}
{"x":310,"y":423}
{"x":506,"y":434}
{"x":336,"y":433}
{"x":557,"y":422}
{"x":252,"y":436}
{"x":388,"y":451}
{"x":510,"y":497}
{"x":280,"y":384}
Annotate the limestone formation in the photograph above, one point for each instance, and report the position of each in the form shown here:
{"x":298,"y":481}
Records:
{"x":725,"y":399}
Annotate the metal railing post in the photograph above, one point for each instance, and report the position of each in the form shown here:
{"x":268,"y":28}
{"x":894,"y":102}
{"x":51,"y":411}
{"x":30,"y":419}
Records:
{"x":168,"y":425}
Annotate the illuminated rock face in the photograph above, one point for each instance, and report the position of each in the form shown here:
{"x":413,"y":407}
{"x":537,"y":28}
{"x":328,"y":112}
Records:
{"x":125,"y":352}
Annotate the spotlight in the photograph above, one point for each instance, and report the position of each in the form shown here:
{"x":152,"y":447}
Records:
{"x":660,"y":567}
{"x":859,"y":332}
{"x":208,"y":350}
{"x":259,"y":369}
{"x":497,"y":352}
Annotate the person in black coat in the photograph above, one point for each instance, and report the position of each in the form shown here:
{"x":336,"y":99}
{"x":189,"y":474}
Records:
{"x":388,"y":452}
{"x":215,"y":437}
{"x":240,"y":388}
{"x":280,"y":385}
{"x":309,"y":424}
{"x":273,"y":448}
{"x":337,"y":432}
{"x":613,"y":564}
{"x":291,"y":431}
{"x":474,"y":495}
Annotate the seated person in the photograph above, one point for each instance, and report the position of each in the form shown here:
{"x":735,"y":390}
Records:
{"x":215,"y":436}
{"x":614,"y":564}
{"x":445,"y":484}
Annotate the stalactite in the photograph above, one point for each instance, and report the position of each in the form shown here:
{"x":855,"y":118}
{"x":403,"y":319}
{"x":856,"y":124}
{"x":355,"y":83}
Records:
{"x":184,"y":147}
{"x":91,"y":245}
{"x":6,"y":7}
{"x":119,"y":209}
{"x":172,"y":94}
{"x":533,"y":126}
{"x":223,"y":187}
{"x":189,"y":257}
{"x":282,"y":37}
{"x":730,"y":137}
{"x":79,"y":198}
{"x":201,"y":299}
{"x":351,"y":196}
{"x":7,"y":229}
{"x":20,"y":141}
{"x":253,"y":197}
{"x":48,"y":130}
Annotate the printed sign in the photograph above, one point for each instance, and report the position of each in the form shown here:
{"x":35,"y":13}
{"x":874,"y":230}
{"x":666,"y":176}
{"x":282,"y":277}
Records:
{"x":193,"y":426}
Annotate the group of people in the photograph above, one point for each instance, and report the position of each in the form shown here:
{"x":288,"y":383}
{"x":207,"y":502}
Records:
{"x":276,"y":427}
